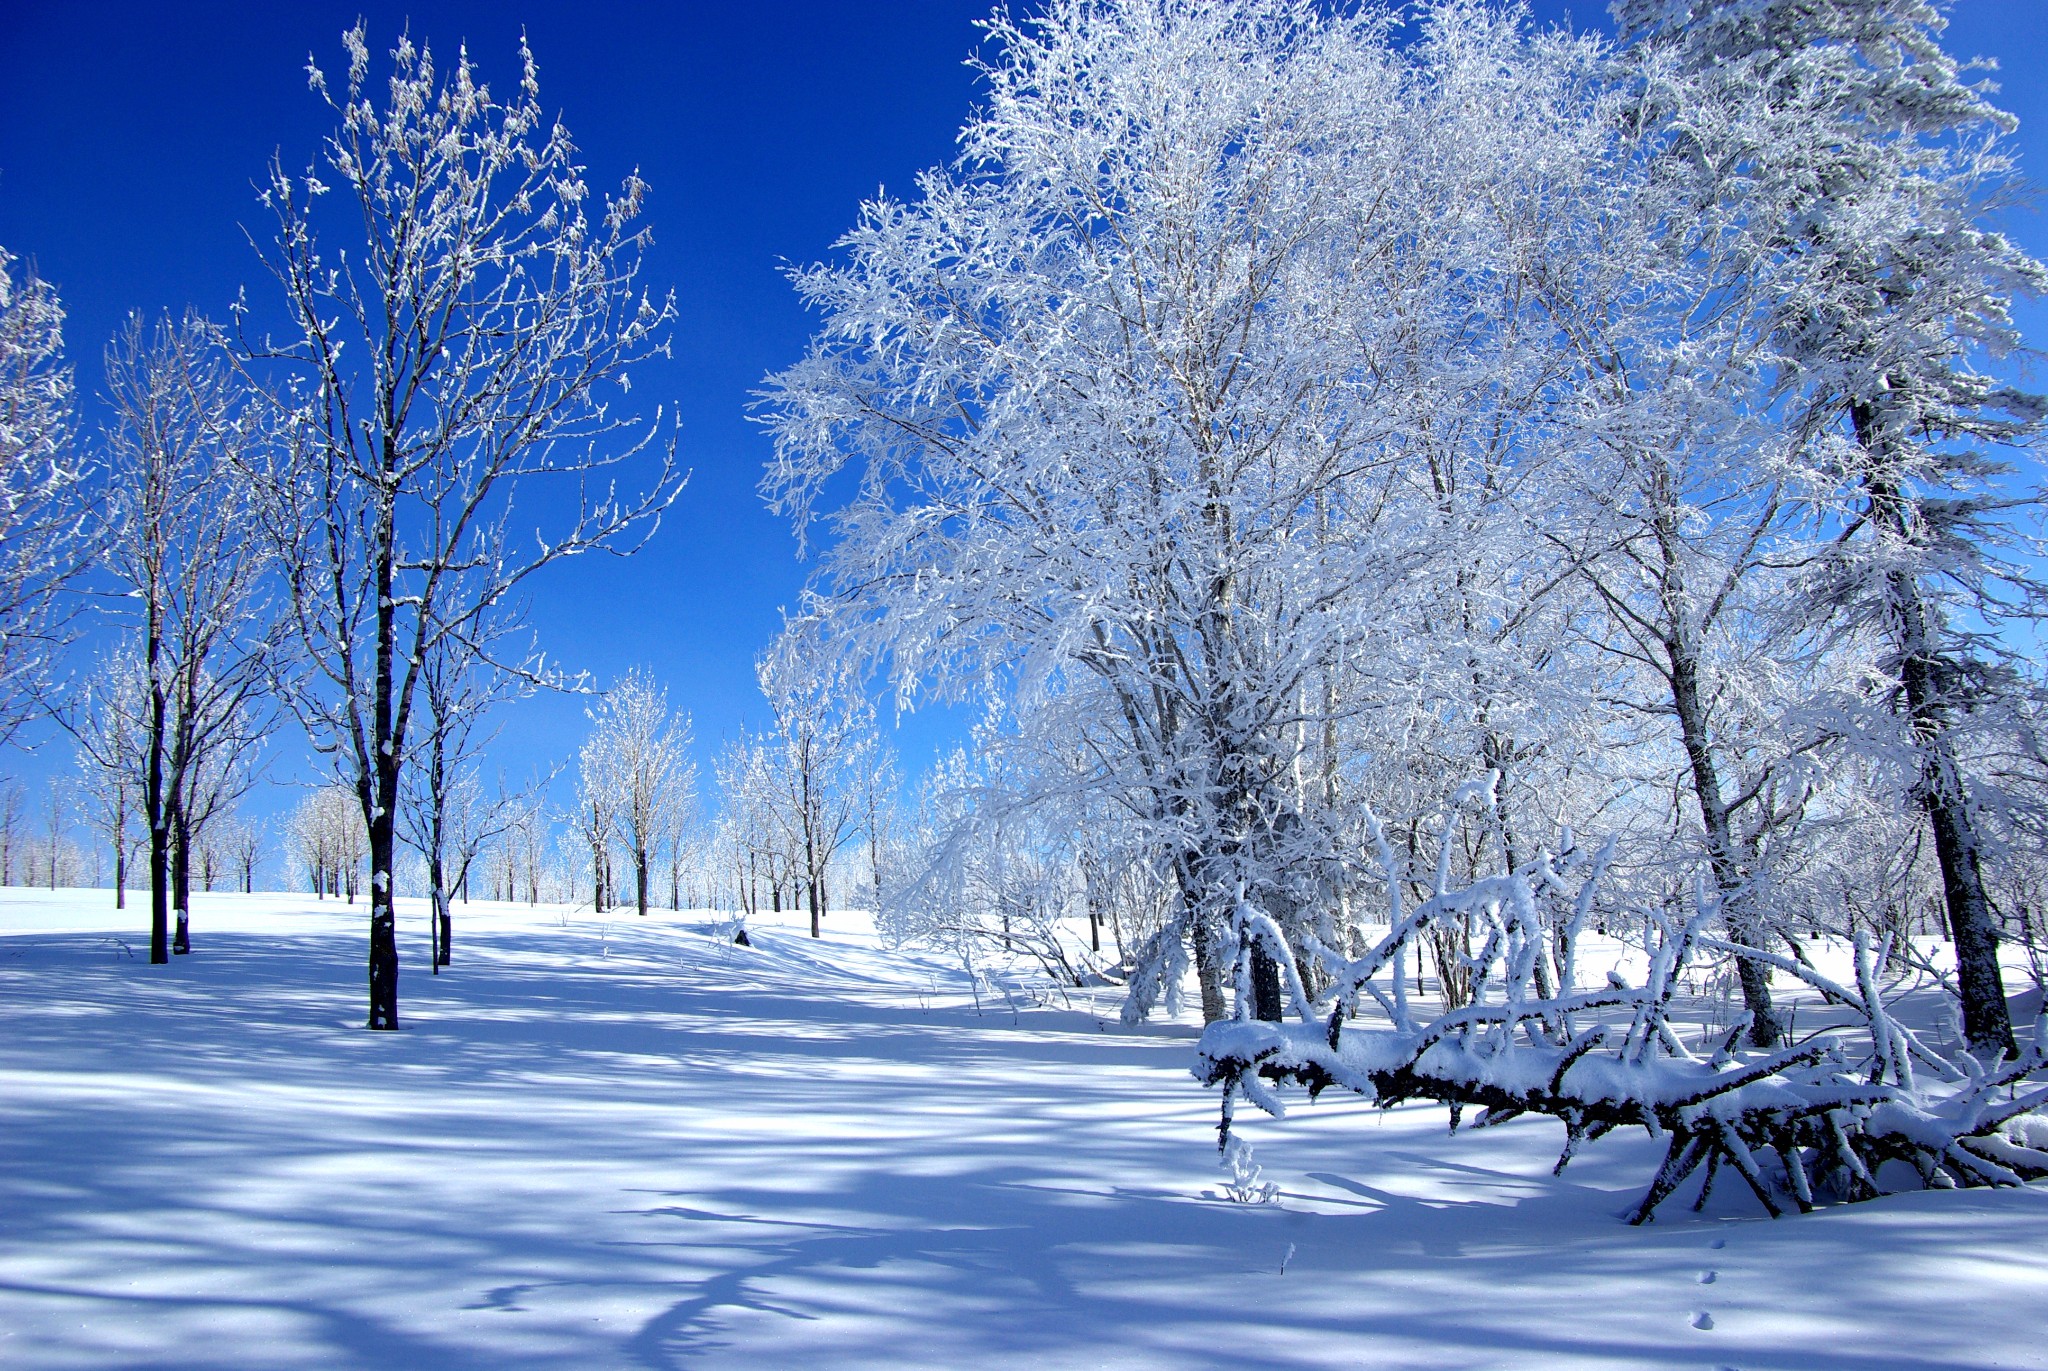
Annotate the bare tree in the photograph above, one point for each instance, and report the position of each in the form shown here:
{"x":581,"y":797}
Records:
{"x":215,"y":780}
{"x":820,"y":750}
{"x":183,"y":544}
{"x":592,"y":825}
{"x":240,"y":843}
{"x":683,"y":844}
{"x":447,"y":812}
{"x":466,"y":350}
{"x":11,"y":830}
{"x":878,"y":782}
{"x":749,"y":838}
{"x":108,"y":733}
{"x":636,"y":764}
{"x":325,"y":836}
{"x":529,"y":842}
{"x":56,"y":828}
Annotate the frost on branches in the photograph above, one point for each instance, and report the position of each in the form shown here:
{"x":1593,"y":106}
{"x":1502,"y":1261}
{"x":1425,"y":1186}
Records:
{"x":460,"y":320}
{"x":42,"y":522}
{"x":1282,"y":411}
{"x":1799,"y":1126}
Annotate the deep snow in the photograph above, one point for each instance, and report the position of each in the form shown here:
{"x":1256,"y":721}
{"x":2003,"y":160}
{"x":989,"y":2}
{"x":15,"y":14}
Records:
{"x":615,"y":1142}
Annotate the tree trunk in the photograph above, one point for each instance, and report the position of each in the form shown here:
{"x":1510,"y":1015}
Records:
{"x":383,"y":921}
{"x":159,"y":896}
{"x":1209,"y":959}
{"x":1266,"y":999}
{"x":1208,"y":971}
{"x":439,"y":918}
{"x":640,"y":879}
{"x":1731,"y":881}
{"x":181,"y":881}
{"x":378,"y":772}
{"x":159,"y":831}
{"x":1987,"y":1024}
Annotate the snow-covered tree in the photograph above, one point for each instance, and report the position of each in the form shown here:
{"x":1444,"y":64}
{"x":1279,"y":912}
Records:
{"x":749,"y":839}
{"x":879,"y":780}
{"x":1155,"y":396}
{"x":110,"y":726}
{"x":184,"y":545}
{"x":44,"y":538}
{"x":636,"y":765}
{"x":997,"y":879}
{"x":593,"y":828}
{"x":1869,"y":165}
{"x":57,"y":855}
{"x":239,"y":844}
{"x":325,"y":837}
{"x":216,"y":780}
{"x":818,"y":756}
{"x":528,"y":841}
{"x":463,"y":324}
{"x":684,"y":844}
{"x":448,"y":814}
{"x":1681,"y":509}
{"x":13,"y":832}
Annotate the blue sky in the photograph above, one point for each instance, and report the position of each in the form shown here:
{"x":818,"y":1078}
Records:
{"x":131,"y":134}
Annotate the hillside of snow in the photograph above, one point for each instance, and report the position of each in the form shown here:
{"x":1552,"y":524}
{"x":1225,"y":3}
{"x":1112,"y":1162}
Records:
{"x":616,"y":1142}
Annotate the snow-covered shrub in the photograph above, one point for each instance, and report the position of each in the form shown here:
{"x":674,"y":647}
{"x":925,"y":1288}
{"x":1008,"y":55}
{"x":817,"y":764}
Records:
{"x":1246,"y":1184}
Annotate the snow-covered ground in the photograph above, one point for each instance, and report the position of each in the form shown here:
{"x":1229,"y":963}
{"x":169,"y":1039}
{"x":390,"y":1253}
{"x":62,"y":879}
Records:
{"x":617,"y":1142}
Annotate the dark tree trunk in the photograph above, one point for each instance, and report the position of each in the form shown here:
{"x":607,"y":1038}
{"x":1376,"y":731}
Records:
{"x":383,"y":922}
{"x":1209,"y":959}
{"x":159,"y":898}
{"x":1987,"y":1023}
{"x":1266,"y":1000}
{"x":378,"y":765}
{"x":157,"y":813}
{"x":1731,"y":881}
{"x":814,"y":876}
{"x":438,"y":918}
{"x":640,"y":879}
{"x":181,"y":882}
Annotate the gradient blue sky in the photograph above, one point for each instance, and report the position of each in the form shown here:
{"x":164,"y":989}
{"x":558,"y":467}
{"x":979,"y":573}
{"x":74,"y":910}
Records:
{"x":131,"y":134}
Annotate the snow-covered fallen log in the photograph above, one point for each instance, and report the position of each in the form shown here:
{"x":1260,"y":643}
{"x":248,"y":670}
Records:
{"x":1810,"y":1123}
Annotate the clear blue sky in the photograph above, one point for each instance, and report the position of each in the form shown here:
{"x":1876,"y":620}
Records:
{"x":131,"y":134}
